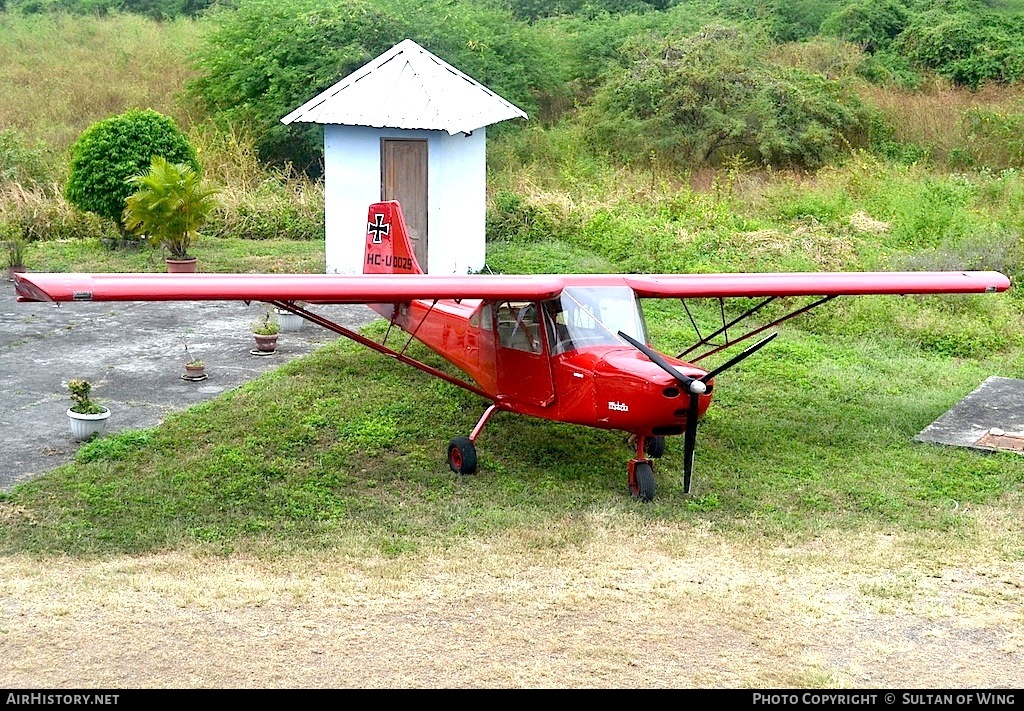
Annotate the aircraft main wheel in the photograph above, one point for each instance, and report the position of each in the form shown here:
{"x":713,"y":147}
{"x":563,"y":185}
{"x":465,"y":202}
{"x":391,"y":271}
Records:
{"x":462,"y":455}
{"x":655,"y":446}
{"x":644,"y":481}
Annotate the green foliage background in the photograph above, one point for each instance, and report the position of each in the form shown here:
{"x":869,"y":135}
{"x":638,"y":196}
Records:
{"x":266,"y":57}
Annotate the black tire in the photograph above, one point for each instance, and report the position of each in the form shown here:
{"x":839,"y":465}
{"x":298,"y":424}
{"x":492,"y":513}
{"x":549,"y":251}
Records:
{"x":655,"y":447}
{"x":462,"y":456}
{"x":644,"y":481}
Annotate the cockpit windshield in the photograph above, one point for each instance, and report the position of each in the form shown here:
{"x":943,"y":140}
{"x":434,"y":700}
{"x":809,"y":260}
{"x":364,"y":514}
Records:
{"x":592,"y":316}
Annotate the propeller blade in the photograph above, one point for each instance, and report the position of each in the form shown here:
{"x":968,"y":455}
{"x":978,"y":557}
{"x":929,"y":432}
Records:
{"x":740,"y":356}
{"x":690,"y":441}
{"x":692,"y":385}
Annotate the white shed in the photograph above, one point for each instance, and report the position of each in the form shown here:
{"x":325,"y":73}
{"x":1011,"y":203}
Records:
{"x":409,"y":127}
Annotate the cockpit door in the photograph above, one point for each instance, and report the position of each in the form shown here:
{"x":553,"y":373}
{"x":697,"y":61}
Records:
{"x":523,"y":363}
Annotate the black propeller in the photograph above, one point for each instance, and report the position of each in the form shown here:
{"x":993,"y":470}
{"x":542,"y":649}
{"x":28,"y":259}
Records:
{"x":695,"y":387}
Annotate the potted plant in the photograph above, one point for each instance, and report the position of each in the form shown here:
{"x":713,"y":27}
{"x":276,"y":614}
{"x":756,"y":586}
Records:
{"x":88,"y":418}
{"x":15,"y":249}
{"x":290,"y":321}
{"x":169,"y":207}
{"x":195,"y":368}
{"x":265,"y":332}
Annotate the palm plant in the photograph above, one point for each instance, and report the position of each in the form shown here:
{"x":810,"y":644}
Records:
{"x":169,"y":206}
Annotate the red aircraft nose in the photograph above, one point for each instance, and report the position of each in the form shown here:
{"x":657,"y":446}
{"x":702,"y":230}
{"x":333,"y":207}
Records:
{"x":638,"y":396}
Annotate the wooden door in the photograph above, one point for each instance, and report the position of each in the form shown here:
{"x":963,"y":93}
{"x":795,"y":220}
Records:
{"x":403,"y":177}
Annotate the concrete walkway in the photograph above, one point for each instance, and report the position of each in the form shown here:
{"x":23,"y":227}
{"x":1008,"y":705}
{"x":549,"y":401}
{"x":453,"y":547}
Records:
{"x":133,"y":355}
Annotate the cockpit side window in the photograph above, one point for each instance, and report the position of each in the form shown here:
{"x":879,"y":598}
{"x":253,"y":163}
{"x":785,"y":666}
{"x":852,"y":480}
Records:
{"x":482,"y":318}
{"x":519,"y":326}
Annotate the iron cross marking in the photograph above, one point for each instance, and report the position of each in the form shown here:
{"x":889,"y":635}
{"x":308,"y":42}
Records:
{"x":378,"y":227}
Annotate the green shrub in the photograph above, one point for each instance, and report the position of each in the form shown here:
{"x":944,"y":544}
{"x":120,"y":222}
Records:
{"x":873,"y":24}
{"x":970,"y":47}
{"x":887,"y":67}
{"x":111,"y":151}
{"x":996,"y":138}
{"x":268,"y":219}
{"x":169,"y":206}
{"x":511,"y":217}
{"x":156,"y":9}
{"x":712,"y":97}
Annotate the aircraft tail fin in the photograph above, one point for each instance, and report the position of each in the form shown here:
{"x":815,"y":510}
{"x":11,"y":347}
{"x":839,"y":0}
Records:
{"x":388,"y":247}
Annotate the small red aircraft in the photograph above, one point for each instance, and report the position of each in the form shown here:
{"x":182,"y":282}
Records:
{"x":570,"y":348}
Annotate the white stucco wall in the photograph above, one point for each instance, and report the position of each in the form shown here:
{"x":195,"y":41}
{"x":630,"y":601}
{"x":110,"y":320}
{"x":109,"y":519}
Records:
{"x":456,"y":200}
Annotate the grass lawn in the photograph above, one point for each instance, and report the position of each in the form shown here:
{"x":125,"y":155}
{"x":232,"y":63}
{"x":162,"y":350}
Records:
{"x":346,"y":448}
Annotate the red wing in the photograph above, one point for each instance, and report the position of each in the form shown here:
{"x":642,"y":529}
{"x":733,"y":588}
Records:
{"x":315,"y":288}
{"x":813,"y":284}
{"x":394,"y":288}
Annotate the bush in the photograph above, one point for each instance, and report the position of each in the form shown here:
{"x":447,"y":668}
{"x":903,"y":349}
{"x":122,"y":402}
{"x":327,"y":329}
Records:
{"x":511,"y":218}
{"x":712,"y":97}
{"x":156,"y":9}
{"x":969,"y":47}
{"x":111,"y":151}
{"x":873,"y":24}
{"x":995,"y":138}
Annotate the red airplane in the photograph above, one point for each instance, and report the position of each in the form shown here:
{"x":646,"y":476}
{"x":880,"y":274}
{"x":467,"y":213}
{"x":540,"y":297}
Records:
{"x":570,"y":348}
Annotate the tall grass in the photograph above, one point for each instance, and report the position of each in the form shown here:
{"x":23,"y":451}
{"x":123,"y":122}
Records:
{"x":61,"y":73}
{"x":934,"y":116}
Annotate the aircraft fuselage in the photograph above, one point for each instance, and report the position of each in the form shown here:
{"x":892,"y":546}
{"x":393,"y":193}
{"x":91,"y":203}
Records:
{"x":557,"y":359}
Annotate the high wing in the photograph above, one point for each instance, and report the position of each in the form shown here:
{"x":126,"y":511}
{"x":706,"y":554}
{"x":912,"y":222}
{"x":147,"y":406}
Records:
{"x":396,"y":288}
{"x":313,"y":288}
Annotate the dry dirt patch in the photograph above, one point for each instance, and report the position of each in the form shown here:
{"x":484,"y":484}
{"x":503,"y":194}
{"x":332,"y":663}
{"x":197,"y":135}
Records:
{"x":650,"y":606}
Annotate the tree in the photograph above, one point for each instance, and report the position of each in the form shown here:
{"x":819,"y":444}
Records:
{"x":264,"y":58}
{"x":113,"y":150}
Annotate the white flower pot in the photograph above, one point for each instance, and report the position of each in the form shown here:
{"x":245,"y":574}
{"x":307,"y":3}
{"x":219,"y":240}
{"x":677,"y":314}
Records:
{"x":85,"y":427}
{"x":289,"y":321}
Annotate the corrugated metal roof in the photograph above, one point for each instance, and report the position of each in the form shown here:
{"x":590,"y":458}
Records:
{"x":407,"y":87}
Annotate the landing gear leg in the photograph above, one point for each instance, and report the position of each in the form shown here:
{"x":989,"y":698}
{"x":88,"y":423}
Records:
{"x":641,"y":472}
{"x":462,"y":450}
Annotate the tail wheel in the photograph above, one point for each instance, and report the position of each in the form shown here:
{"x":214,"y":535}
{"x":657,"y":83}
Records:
{"x":644,"y":474}
{"x":462,"y":455}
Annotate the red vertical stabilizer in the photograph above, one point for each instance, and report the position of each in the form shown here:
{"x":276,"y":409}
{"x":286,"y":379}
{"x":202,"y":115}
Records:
{"x":388,"y":250}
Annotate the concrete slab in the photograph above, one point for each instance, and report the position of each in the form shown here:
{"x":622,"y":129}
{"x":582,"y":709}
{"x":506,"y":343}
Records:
{"x":133,"y":354}
{"x":990,"y":418}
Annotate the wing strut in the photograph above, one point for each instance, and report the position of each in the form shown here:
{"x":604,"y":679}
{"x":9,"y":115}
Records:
{"x":417,"y":329}
{"x":714,"y":348}
{"x":379,"y":347}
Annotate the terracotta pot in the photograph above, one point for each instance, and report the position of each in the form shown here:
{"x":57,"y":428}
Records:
{"x":181,"y":266}
{"x":194,"y":371}
{"x":266,"y":344}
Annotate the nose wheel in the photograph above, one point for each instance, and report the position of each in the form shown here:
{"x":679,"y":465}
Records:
{"x":641,"y":480}
{"x":641,"y":469}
